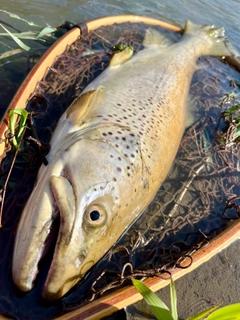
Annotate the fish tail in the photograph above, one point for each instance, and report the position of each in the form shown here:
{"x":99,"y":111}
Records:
{"x":213,"y":39}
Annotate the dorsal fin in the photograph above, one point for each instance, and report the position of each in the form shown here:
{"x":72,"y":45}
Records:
{"x":154,"y":37}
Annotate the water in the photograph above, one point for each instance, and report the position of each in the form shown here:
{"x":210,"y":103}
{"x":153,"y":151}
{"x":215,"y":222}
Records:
{"x":53,"y":13}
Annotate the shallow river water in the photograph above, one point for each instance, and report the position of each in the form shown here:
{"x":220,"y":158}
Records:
{"x":222,"y":13}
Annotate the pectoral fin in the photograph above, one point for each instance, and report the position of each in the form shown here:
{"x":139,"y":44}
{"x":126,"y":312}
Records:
{"x":79,"y":108}
{"x":121,"y":57}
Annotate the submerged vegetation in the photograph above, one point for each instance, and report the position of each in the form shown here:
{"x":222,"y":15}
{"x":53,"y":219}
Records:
{"x":44,"y":35}
{"x":228,"y":135}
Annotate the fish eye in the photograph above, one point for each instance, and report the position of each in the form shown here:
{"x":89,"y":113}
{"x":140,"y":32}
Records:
{"x":96,"y":215}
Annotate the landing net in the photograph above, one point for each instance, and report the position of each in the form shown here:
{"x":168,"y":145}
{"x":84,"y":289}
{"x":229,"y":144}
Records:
{"x":196,"y":202}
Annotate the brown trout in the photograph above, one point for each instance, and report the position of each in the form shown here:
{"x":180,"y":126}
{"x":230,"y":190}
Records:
{"x":110,"y":153}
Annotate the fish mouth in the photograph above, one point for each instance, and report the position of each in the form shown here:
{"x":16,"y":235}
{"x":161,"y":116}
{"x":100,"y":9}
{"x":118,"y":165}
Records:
{"x":46,"y":232}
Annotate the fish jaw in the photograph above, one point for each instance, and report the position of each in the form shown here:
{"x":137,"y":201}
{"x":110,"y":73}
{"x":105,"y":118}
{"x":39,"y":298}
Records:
{"x":30,"y":244}
{"x":77,"y":183}
{"x":83,"y":242}
{"x":33,"y":231}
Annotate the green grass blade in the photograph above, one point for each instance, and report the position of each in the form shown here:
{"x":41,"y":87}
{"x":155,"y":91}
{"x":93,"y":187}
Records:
{"x":13,"y":15}
{"x":201,"y":315}
{"x":45,"y":31}
{"x":158,"y":307}
{"x":23,"y":118}
{"x":18,"y":41}
{"x":173,"y":295}
{"x":231,"y":312}
{"x":237,"y":133}
{"x":28,"y":35}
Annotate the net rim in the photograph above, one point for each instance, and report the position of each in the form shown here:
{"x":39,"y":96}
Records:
{"x":128,"y":295}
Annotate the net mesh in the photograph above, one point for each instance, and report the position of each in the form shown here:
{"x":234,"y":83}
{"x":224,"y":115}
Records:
{"x":195,"y":203}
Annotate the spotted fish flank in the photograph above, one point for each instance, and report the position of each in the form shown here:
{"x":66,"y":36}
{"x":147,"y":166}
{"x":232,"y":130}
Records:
{"x":110,"y":152}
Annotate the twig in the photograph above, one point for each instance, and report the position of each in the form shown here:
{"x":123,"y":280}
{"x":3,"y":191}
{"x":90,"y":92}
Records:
{"x":8,"y":177}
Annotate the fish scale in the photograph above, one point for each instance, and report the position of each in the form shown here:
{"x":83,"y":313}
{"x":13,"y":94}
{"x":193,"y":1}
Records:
{"x":110,"y":153}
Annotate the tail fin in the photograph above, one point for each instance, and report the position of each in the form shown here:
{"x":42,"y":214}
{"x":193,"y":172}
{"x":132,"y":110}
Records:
{"x":214,"y":41}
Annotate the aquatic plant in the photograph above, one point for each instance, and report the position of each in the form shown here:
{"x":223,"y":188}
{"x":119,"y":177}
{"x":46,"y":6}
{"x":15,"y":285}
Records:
{"x":229,"y":136}
{"x":45,"y":35}
{"x":162,"y":312}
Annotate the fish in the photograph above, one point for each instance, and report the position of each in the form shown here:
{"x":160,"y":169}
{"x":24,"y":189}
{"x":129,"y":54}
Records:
{"x":110,"y":152}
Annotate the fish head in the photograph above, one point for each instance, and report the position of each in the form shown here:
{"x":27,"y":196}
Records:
{"x":90,"y":192}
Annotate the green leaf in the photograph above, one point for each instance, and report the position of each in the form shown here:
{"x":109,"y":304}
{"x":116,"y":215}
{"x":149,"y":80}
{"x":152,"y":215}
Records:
{"x":46,"y":31}
{"x":23,"y":117}
{"x":231,"y":312}
{"x":173,"y":295}
{"x":237,"y":133}
{"x":201,"y":315}
{"x":232,"y":110}
{"x":158,"y":307}
{"x":29,"y":35}
{"x":13,"y":15}
{"x":18,"y":41}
